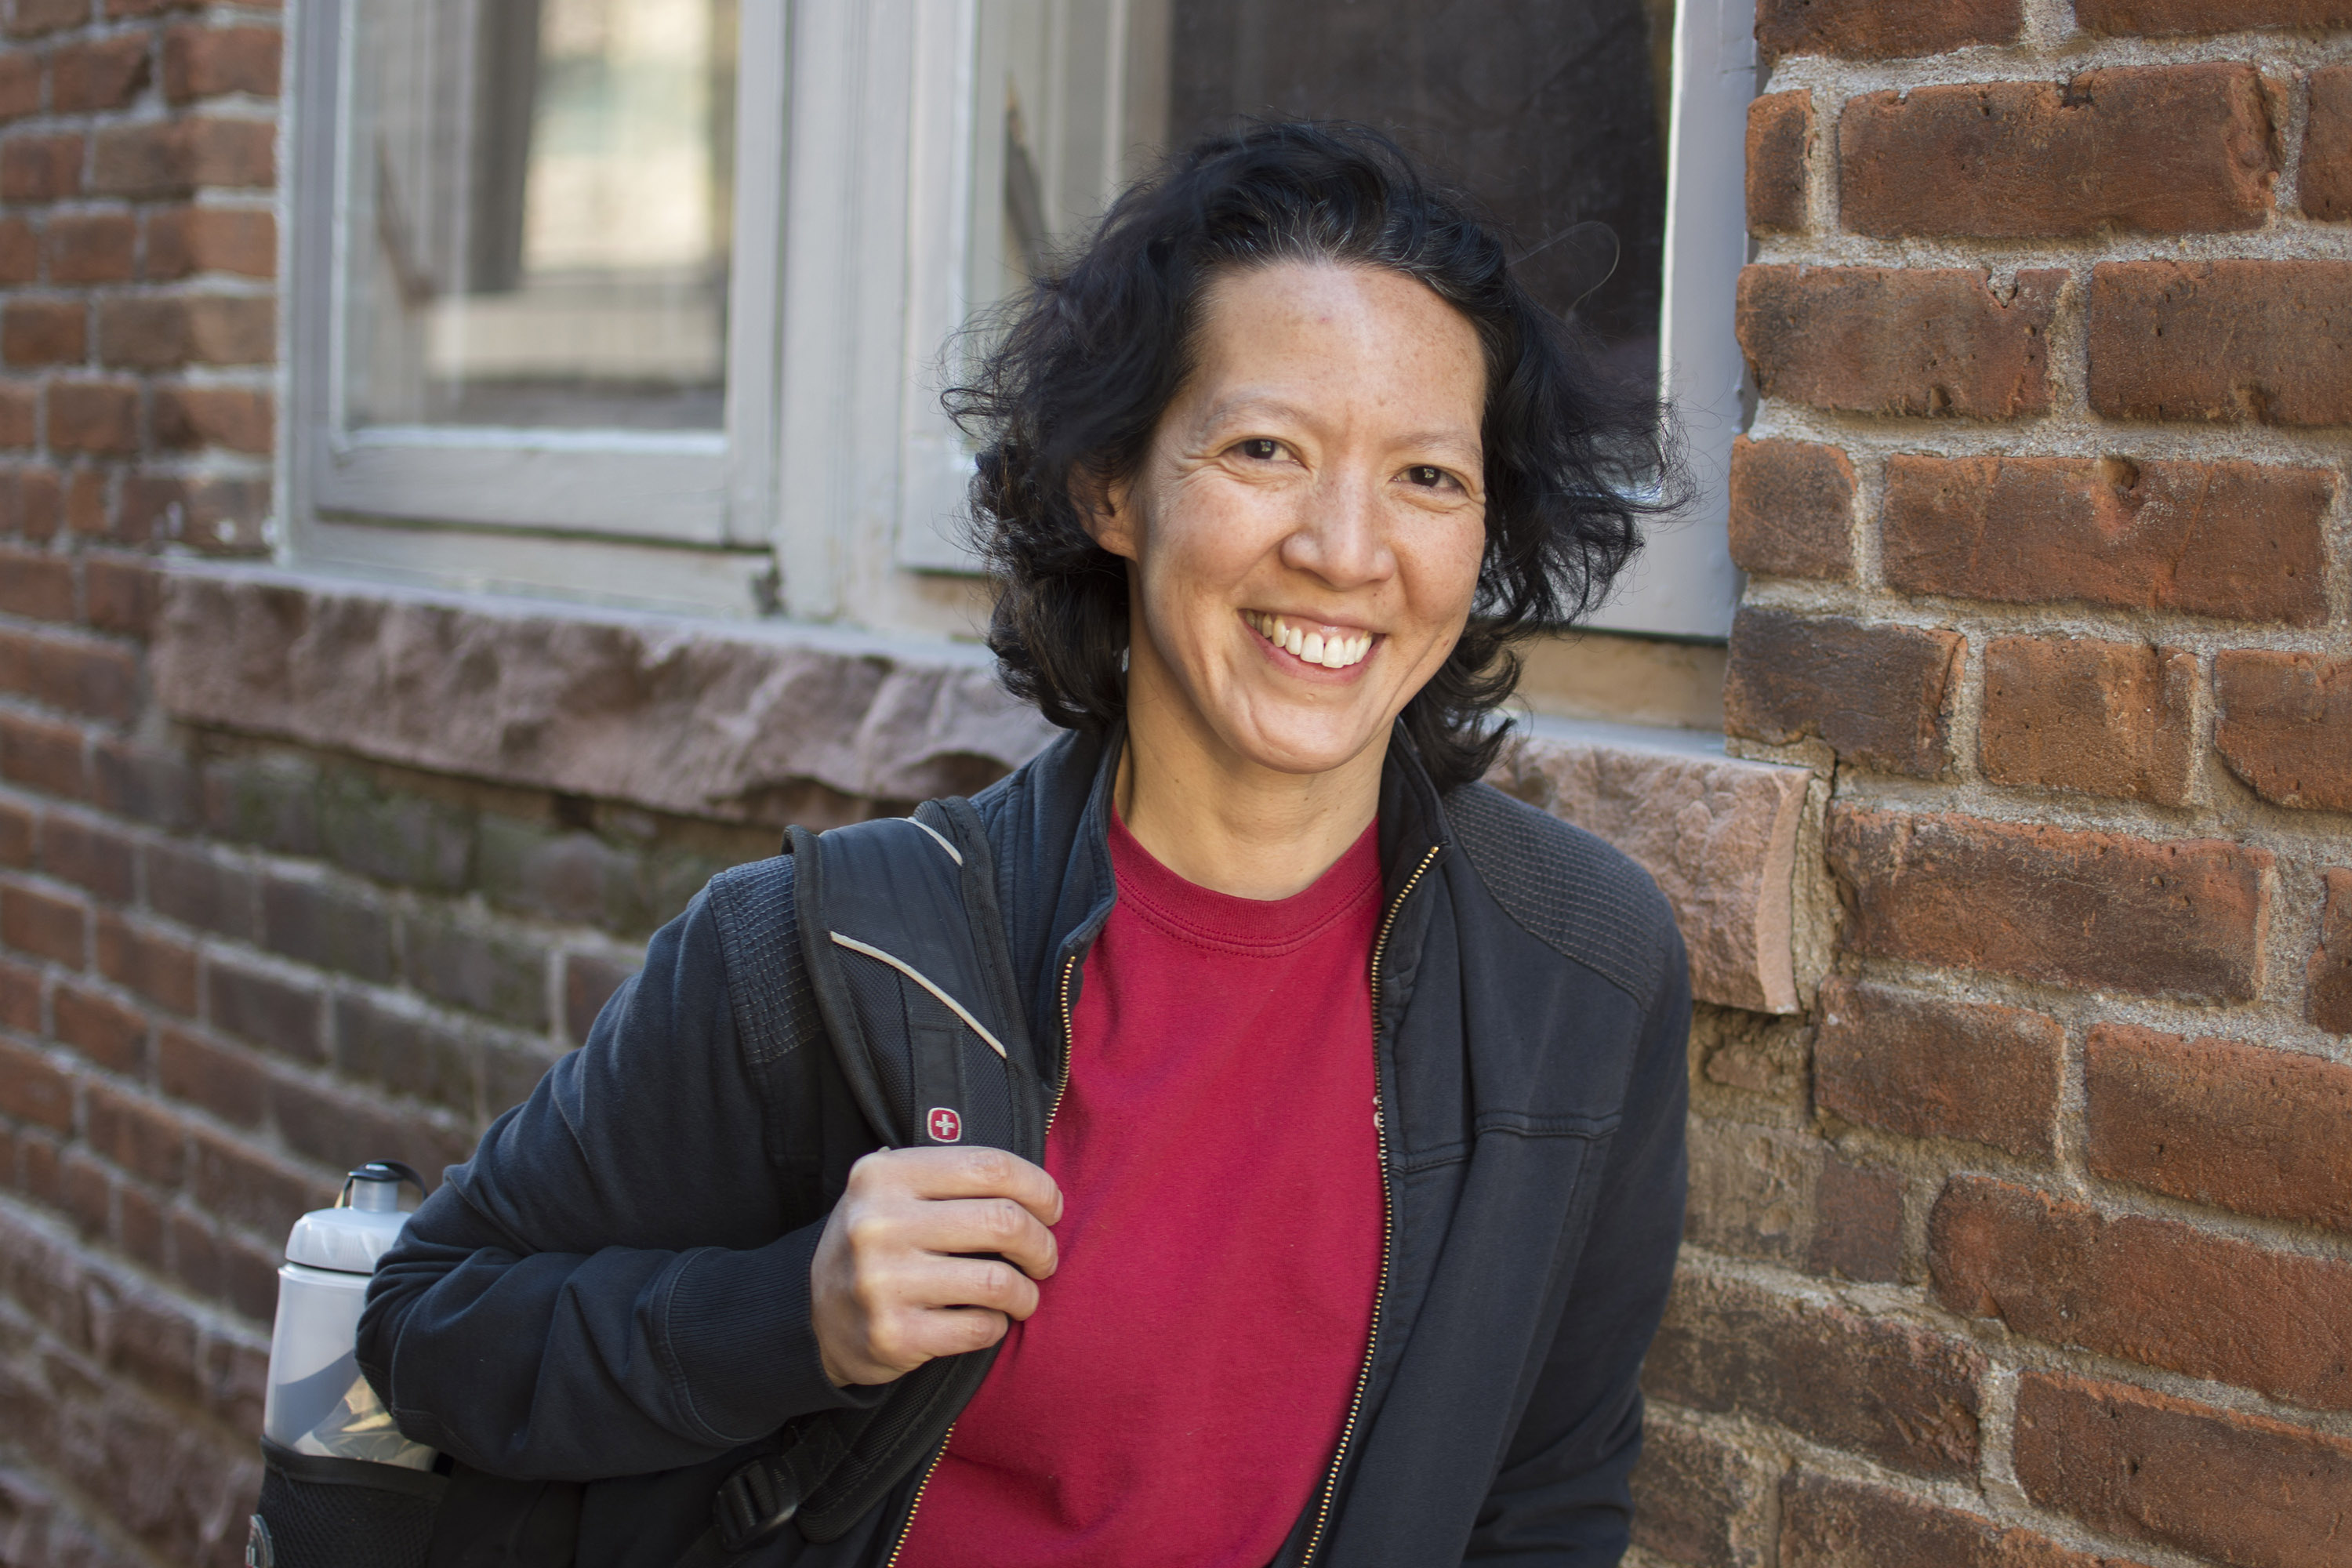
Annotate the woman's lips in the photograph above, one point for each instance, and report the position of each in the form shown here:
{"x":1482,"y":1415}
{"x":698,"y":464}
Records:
{"x":1335,"y":650}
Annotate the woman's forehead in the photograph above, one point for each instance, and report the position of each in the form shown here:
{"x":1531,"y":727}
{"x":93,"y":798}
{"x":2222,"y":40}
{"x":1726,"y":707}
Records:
{"x":1272,"y":336}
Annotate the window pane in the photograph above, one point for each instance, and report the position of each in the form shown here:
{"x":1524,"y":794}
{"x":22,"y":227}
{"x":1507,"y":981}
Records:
{"x":1553,"y":115}
{"x":538,"y":196}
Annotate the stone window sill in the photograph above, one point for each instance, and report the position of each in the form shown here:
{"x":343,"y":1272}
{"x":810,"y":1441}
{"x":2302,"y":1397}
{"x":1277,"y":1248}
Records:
{"x":724,"y":720}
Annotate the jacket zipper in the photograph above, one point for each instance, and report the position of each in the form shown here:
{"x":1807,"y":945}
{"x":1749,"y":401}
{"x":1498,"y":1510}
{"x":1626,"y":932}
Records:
{"x":1069,"y":967}
{"x":1387,"y":1230}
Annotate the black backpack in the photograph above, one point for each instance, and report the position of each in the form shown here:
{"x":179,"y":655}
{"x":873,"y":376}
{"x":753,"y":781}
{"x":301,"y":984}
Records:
{"x":891,"y":933}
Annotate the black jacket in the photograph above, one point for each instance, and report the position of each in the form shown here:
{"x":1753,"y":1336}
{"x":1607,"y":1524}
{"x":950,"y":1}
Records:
{"x":615,"y":1287}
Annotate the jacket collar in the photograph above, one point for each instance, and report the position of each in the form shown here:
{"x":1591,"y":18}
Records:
{"x":1050,"y":825}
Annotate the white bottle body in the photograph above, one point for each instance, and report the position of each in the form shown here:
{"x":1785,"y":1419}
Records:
{"x":317,"y":1402}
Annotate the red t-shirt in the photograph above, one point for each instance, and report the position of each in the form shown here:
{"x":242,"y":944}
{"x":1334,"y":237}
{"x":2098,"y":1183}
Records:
{"x":1180,"y":1390}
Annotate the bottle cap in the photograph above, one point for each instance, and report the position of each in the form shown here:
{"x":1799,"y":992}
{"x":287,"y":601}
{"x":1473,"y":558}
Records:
{"x":361,"y":1227}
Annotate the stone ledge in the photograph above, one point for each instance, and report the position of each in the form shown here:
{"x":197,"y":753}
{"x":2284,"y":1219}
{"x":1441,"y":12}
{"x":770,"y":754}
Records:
{"x":1719,"y":833}
{"x":727,"y":720}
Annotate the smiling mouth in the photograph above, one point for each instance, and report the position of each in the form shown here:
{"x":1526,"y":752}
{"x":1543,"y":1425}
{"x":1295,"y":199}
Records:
{"x":1335,"y":652}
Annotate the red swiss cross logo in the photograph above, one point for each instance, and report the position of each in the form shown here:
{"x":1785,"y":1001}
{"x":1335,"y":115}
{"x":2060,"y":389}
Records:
{"x":947,"y":1127}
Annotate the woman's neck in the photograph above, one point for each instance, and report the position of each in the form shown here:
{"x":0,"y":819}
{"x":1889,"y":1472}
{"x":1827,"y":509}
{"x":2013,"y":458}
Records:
{"x":1223,"y":822}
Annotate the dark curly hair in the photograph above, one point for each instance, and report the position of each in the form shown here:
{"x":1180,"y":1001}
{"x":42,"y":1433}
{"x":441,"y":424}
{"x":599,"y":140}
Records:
{"x":1071,"y":393}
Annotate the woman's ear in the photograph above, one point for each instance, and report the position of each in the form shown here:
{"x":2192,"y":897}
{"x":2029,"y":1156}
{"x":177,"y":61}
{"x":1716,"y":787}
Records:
{"x":1107,"y":509}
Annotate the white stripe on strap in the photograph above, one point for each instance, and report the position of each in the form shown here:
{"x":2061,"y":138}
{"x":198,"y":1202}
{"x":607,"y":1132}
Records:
{"x":921,"y":979}
{"x":954,"y":854}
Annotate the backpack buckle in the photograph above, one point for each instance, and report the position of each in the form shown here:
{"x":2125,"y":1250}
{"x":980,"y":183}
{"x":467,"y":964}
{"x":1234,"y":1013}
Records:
{"x":754,"y":1504}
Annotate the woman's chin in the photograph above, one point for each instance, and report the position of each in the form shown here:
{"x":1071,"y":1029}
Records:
{"x":1313,"y":744}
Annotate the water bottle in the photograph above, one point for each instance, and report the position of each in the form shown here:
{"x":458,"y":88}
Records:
{"x":340,"y":1486}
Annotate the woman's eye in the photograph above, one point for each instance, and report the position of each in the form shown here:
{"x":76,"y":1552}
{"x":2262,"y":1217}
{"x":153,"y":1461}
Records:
{"x":1260,"y":449}
{"x":1427,"y":476}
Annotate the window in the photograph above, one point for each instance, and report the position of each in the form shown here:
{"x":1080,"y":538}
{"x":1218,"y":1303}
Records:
{"x":589,"y":301}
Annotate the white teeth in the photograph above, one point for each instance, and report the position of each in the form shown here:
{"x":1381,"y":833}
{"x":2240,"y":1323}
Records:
{"x":1334,"y":652}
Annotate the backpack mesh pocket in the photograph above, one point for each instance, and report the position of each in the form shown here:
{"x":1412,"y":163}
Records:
{"x":340,"y":1513}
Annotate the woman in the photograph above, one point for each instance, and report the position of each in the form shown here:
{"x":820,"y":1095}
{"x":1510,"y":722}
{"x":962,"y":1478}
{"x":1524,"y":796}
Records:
{"x":1364,"y":1176}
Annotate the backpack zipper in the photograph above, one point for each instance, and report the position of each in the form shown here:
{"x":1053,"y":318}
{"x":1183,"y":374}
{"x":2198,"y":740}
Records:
{"x":1331,"y":1487}
{"x":1069,"y":967}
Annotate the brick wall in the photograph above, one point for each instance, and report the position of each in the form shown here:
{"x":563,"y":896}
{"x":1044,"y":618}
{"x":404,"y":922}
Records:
{"x":2032,"y":1242}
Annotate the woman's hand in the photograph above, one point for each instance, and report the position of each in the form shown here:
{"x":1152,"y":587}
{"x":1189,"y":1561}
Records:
{"x":897,"y":1281}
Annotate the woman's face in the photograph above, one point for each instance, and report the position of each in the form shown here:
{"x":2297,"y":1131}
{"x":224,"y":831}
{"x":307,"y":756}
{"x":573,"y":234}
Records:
{"x":1305,"y":531}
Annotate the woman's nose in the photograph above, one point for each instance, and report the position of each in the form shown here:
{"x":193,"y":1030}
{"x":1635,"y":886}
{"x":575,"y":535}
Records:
{"x":1339,"y":538}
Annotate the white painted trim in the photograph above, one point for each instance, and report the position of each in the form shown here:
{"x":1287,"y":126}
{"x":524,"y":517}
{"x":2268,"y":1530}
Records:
{"x":615,"y":573}
{"x":1684,"y":583}
{"x":701,"y":488}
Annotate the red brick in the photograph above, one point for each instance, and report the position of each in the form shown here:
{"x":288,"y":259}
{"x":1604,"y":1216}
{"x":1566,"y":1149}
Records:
{"x":16,"y":835}
{"x":31,"y":18}
{"x":270,"y":1012}
{"x":35,"y":1089}
{"x":119,"y":593}
{"x":38,"y":1157}
{"x":2328,"y":979}
{"x":91,"y":247}
{"x":86,"y":502}
{"x":108,"y":1033}
{"x":1791,"y":510}
{"x":1882,"y":29}
{"x":236,"y":417}
{"x":2163,"y":149}
{"x":137,"y":1225}
{"x":155,"y":965}
{"x":40,"y":167}
{"x":339,"y":1130}
{"x":2113,"y":719}
{"x":20,"y":252}
{"x":201,"y":61}
{"x":1878,"y":694}
{"x":21,"y":504}
{"x":43,"y":925}
{"x":174,"y":157}
{"x":2155,"y":1291}
{"x":2285,"y":725}
{"x":86,"y":1193}
{"x":2221,"y":1122}
{"x":1827,"y":1522}
{"x":20,"y":85}
{"x":48,"y":757}
{"x":2326,"y":173}
{"x":214,"y":512}
{"x":128,"y":780}
{"x":96,"y":416}
{"x":1699,"y":1500}
{"x":1900,"y":341}
{"x":2177,"y":917}
{"x":93,"y":679}
{"x":2239,"y":541}
{"x":1927,"y":1068}
{"x":36,"y":585}
{"x":190,"y":885}
{"x":99,"y":74}
{"x":1901,"y":1395}
{"x":20,"y":1009}
{"x":183,"y":241}
{"x":44,"y":332}
{"x":1857,"y":1223}
{"x":2239,"y":1489}
{"x":1780,"y":140}
{"x":218,"y":1078}
{"x":137,"y":1135}
{"x":252,"y":1189}
{"x":89,"y":855}
{"x":2163,"y":17}
{"x":2261,"y":341}
{"x":161,"y":333}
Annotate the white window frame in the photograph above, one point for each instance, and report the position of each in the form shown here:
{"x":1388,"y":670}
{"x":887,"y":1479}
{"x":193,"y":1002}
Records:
{"x":495,"y":505}
{"x":835,"y":491}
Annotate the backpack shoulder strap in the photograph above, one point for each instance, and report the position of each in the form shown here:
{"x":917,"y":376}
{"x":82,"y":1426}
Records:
{"x":887,"y":933}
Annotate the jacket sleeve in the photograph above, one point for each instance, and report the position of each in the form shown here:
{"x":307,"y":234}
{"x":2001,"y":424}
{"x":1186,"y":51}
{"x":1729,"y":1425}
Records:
{"x":1562,"y":1496}
{"x":611,"y":1284}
